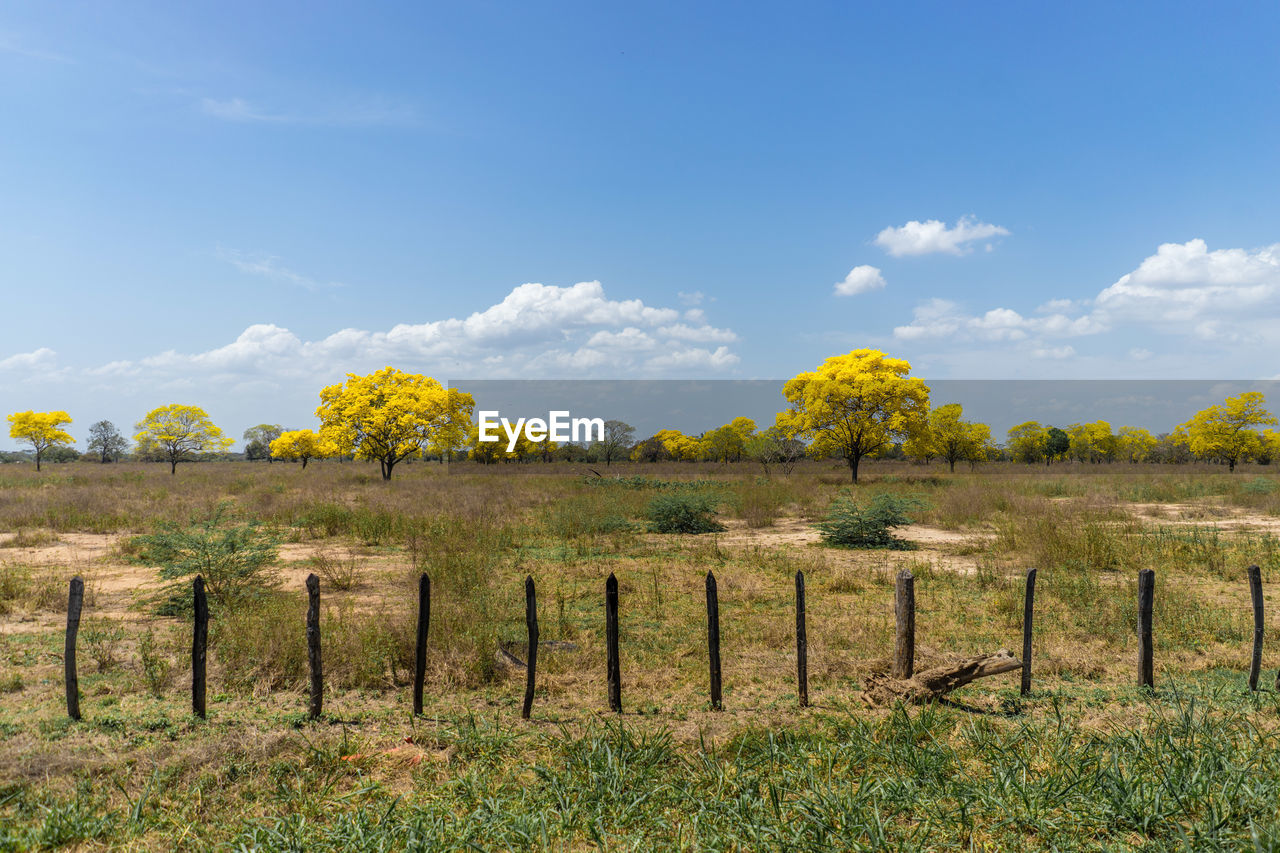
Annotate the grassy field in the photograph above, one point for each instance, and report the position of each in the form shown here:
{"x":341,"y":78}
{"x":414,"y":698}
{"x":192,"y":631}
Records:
{"x":1088,"y":762}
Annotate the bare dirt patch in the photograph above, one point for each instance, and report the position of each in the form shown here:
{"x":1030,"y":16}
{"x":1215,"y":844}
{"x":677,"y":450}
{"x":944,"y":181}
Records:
{"x":949,"y":550}
{"x":1202,"y":514}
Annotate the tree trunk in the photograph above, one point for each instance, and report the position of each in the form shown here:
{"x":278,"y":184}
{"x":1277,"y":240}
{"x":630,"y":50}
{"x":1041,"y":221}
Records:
{"x":1231,"y":465}
{"x":304,"y":462}
{"x":853,"y":465}
{"x":386,"y":469}
{"x":938,"y":681}
{"x":37,"y":460}
{"x":173,"y":466}
{"x":953,"y":465}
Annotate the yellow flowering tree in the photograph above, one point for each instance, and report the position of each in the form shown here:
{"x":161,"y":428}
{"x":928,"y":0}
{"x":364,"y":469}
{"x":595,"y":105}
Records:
{"x":1028,"y":442}
{"x":1226,"y":431}
{"x":454,"y":432}
{"x":1135,"y":443}
{"x":176,"y":433}
{"x":856,"y":404}
{"x":42,"y":430}
{"x":303,"y":444}
{"x":950,"y":437}
{"x":389,"y":415}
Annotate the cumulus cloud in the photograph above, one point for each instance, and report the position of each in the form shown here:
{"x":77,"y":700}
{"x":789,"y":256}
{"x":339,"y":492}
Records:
{"x":860,"y":280}
{"x":36,"y":360}
{"x":1224,"y":298}
{"x":536,"y":330}
{"x":1226,"y":294}
{"x":940,"y":318}
{"x":933,"y":236}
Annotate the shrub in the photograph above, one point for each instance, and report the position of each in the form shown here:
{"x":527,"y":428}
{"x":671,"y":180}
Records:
{"x":157,"y":666}
{"x":237,"y":560}
{"x":850,"y":525}
{"x":683,"y":513}
{"x":103,"y":640}
{"x":335,"y":571}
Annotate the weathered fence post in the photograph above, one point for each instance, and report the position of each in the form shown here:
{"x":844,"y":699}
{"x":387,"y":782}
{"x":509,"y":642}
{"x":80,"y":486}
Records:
{"x":611,"y":640}
{"x":199,"y":646}
{"x":420,"y":653}
{"x":531,"y":622}
{"x":1146,"y":596}
{"x":904,"y":649}
{"x":1255,"y":593}
{"x":713,"y":640}
{"x":75,"y":601}
{"x":313,"y":645}
{"x":1028,"y":611}
{"x":802,"y":644}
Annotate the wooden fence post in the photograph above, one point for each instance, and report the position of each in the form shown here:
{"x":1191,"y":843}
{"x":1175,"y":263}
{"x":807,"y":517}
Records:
{"x":713,"y":640}
{"x":1028,"y":611}
{"x":1259,"y":623}
{"x":313,"y":645}
{"x":802,"y":644}
{"x":904,"y":649}
{"x":531,"y":622}
{"x":420,"y":653}
{"x":199,"y":647}
{"x":75,"y":601}
{"x":1146,"y":596}
{"x":611,"y":639}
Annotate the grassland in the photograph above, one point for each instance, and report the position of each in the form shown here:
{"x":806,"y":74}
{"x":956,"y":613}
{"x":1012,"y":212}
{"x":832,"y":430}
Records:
{"x":1087,"y":762}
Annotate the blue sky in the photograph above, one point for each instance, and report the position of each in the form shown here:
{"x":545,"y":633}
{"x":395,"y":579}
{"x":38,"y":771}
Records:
{"x":234,"y":204}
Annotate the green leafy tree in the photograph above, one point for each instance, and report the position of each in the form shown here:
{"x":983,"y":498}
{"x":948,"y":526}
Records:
{"x":106,"y":441}
{"x":1056,"y":445}
{"x":616,"y":443}
{"x":258,"y":441}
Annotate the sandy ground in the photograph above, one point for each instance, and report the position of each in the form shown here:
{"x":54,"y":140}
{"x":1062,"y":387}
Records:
{"x":116,"y":586}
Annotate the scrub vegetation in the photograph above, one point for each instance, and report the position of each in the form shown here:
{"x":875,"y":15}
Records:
{"x":1087,"y":761}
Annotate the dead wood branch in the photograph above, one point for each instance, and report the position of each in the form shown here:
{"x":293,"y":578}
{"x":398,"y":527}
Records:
{"x":934,"y":683}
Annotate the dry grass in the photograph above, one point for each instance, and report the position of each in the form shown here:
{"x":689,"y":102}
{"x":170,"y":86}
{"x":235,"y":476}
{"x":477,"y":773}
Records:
{"x":478,"y":532}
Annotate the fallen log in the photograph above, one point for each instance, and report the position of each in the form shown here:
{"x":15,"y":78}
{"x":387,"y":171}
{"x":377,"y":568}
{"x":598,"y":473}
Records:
{"x":938,"y":681}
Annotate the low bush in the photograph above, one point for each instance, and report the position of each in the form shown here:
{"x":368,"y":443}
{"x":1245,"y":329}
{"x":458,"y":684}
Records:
{"x":236,"y":559}
{"x":852,"y":525}
{"x":683,"y":513}
{"x":335,"y":570}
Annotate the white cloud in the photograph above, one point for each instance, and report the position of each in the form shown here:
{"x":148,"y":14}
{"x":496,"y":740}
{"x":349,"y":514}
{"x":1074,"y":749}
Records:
{"x":1225,"y":304}
{"x":694,"y":359}
{"x":10,"y":43}
{"x":691,"y":299}
{"x":860,"y":280}
{"x":536,"y":330}
{"x":940,"y":318}
{"x":269,"y":266}
{"x":1226,"y":295}
{"x":701,"y":334}
{"x":630,"y":339}
{"x":932,"y":236}
{"x":40,"y":359}
{"x":375,"y":111}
